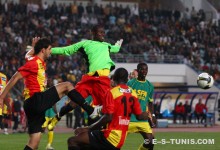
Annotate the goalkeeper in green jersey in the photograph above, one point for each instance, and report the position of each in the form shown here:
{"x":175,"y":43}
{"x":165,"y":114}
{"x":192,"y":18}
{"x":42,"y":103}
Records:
{"x":144,"y":90}
{"x":95,"y":82}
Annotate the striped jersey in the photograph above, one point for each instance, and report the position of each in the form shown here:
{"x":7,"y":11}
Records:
{"x":144,"y":90}
{"x":3,"y":82}
{"x":33,"y":72}
{"x":120,"y":101}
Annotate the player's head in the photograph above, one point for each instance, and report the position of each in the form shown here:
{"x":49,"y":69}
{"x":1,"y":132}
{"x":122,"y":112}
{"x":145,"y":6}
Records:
{"x":112,"y":81}
{"x":120,"y":76}
{"x":98,"y":33}
{"x":43,"y":45}
{"x":142,"y":69}
{"x":200,"y":100}
{"x":133,"y":74}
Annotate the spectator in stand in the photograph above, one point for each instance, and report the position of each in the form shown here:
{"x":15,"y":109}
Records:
{"x":188,"y":111}
{"x":200,"y":111}
{"x":179,"y":111}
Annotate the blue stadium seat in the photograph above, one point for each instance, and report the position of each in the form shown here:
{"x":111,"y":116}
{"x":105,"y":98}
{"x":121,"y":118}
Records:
{"x":210,"y":119}
{"x":167,"y":114}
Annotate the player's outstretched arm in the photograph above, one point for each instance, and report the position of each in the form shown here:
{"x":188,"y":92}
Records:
{"x":68,"y":50}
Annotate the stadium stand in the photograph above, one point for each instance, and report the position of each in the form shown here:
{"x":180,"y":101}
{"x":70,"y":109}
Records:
{"x":157,"y":36}
{"x":151,"y":35}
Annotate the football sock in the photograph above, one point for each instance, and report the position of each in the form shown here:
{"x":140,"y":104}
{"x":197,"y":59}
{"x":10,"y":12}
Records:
{"x":77,"y":98}
{"x":50,"y":137}
{"x":27,"y":148}
{"x":65,"y":109}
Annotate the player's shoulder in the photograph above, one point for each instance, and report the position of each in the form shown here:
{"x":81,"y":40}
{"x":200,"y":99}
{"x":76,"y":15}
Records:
{"x":131,"y":81}
{"x":106,"y":43}
{"x":150,"y":83}
{"x":33,"y":61}
{"x":2,"y":74}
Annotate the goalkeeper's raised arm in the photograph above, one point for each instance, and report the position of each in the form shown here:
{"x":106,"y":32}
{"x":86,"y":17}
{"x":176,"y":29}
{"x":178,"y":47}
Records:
{"x":96,"y":52}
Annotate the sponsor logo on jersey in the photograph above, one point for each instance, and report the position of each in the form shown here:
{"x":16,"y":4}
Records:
{"x":123,"y":121}
{"x":124,"y":90}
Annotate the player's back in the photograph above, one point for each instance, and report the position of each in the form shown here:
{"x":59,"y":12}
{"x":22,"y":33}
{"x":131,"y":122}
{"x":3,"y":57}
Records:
{"x":125,"y":102}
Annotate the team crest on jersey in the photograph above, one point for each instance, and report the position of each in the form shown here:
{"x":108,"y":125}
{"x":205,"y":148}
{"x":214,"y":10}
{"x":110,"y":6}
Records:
{"x":3,"y":79}
{"x":125,"y":90}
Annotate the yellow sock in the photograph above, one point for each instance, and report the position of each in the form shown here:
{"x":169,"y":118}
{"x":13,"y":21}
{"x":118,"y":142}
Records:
{"x":46,"y":122}
{"x":141,"y":147}
{"x":50,"y":137}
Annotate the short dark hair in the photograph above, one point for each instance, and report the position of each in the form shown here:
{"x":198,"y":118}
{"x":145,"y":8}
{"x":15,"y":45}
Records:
{"x":40,"y":44}
{"x":120,"y":75}
{"x":96,"y":27}
{"x":140,"y":65}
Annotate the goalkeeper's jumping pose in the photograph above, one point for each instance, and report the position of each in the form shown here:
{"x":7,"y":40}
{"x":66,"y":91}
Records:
{"x":96,"y":82}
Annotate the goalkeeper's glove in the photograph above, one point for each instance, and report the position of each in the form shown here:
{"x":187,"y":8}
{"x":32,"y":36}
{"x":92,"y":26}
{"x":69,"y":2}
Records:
{"x":119,"y":42}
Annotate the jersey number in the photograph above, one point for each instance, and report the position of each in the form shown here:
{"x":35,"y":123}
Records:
{"x":127,"y":104}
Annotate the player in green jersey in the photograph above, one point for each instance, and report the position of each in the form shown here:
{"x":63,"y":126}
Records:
{"x":144,"y":90}
{"x":96,"y":82}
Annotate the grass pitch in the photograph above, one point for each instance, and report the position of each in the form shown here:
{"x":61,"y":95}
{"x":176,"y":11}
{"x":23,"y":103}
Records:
{"x":206,"y":141}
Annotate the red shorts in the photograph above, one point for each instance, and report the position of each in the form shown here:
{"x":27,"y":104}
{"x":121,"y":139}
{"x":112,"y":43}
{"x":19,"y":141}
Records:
{"x":96,"y":86}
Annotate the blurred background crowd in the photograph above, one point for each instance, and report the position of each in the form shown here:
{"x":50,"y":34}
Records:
{"x":153,"y":36}
{"x":150,"y":35}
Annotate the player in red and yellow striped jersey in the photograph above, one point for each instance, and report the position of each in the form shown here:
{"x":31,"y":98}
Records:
{"x":37,"y":98}
{"x":120,"y":102}
{"x":6,"y":121}
{"x":3,"y":82}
